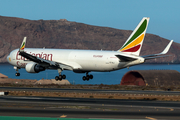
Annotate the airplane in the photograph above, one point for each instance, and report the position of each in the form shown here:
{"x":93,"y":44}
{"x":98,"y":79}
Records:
{"x":35,"y":60}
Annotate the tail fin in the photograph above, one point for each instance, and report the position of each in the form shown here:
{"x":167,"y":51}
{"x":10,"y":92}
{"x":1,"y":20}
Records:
{"x":134,"y":43}
{"x":21,"y":49}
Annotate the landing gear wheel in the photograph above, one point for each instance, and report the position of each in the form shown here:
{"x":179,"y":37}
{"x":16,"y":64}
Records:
{"x":17,"y":74}
{"x":57,"y":78}
{"x":84,"y":78}
{"x":17,"y":71}
{"x":91,"y":76}
{"x":87,"y":77}
{"x":60,"y":77}
{"x":63,"y":76}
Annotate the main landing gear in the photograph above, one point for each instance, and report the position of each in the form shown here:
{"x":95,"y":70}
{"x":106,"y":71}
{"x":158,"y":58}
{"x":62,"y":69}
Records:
{"x":17,"y":71}
{"x":60,"y":77}
{"x":87,"y":77}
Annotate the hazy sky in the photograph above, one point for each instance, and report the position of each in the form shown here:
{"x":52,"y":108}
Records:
{"x":121,"y":14}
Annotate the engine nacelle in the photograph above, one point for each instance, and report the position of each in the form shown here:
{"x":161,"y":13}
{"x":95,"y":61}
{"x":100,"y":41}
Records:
{"x":34,"y":68}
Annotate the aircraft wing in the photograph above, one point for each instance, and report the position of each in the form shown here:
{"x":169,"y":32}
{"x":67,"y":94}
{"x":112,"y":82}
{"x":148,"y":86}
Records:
{"x":43,"y":62}
{"x":153,"y":56}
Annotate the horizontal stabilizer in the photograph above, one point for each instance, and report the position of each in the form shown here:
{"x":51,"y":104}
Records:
{"x":125,"y":58}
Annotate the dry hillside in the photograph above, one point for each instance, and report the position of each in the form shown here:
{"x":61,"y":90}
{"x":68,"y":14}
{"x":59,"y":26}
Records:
{"x":72,"y":35}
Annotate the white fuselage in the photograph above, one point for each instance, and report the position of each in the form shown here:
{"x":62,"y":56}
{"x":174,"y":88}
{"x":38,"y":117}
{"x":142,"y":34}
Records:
{"x":79,"y":60}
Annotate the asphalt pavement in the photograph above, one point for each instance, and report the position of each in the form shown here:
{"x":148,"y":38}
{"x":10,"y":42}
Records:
{"x":88,"y":108}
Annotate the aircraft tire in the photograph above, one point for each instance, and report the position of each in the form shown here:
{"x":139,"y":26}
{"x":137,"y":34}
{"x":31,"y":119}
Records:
{"x":60,"y":77}
{"x":90,"y":76}
{"x":17,"y":74}
{"x":63,"y":76}
{"x":57,"y":78}
{"x":84,"y":78}
{"x":87,"y":78}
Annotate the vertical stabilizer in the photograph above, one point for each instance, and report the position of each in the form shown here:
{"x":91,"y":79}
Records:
{"x":134,"y":42}
{"x":21,"y":49}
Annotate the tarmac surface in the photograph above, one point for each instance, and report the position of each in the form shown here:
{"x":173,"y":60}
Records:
{"x":57,"y":107}
{"x":90,"y":90}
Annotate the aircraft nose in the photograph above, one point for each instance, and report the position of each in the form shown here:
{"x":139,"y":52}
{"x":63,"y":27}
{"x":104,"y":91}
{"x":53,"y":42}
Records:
{"x":8,"y":58}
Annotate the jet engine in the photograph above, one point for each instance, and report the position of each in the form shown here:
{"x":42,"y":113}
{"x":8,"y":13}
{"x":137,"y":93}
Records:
{"x":34,"y":68}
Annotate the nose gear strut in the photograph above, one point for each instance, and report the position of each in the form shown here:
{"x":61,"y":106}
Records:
{"x":17,"y":71}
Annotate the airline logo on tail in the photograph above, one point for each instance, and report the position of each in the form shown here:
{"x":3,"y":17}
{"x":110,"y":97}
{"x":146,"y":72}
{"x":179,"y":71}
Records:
{"x":134,"y":42}
{"x":23,"y":44}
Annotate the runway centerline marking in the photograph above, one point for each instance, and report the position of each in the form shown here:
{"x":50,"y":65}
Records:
{"x":151,"y":118}
{"x":63,"y":116}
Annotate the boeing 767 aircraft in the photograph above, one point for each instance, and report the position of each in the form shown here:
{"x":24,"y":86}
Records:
{"x":35,"y":60}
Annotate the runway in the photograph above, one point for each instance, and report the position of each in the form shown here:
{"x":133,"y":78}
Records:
{"x":90,"y":90}
{"x":88,"y":108}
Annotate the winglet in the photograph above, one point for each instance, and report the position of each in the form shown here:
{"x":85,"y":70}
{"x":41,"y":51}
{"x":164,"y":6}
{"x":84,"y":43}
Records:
{"x":162,"y":53}
{"x":167,"y":48}
{"x":21,"y":49}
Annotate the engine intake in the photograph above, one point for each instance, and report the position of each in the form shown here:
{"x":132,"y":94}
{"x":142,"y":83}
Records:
{"x":34,"y":68}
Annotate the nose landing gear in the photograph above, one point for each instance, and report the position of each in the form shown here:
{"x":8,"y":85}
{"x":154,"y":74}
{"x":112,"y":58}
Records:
{"x":87,"y":77}
{"x":17,"y":71}
{"x":17,"y":74}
